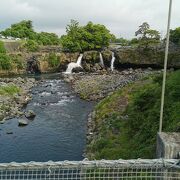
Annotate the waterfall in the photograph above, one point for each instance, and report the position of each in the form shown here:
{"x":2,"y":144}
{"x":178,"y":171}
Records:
{"x":79,"y":60}
{"x":73,"y":65}
{"x":112,"y":61}
{"x":101,"y":60}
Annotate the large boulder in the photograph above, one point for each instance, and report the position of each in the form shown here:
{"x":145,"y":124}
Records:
{"x":90,"y":60}
{"x":23,"y":122}
{"x":30,"y":114}
{"x":67,"y":58}
{"x":107,"y":56}
{"x":77,"y":69}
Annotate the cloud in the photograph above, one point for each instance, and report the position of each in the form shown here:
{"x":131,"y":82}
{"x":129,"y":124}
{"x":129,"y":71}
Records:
{"x":120,"y":16}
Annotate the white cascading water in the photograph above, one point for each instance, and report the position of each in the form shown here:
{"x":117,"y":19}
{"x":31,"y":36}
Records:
{"x":101,"y":60}
{"x":112,"y":61}
{"x":73,"y":65}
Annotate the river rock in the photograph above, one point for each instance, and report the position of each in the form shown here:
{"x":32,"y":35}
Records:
{"x":9,"y":132}
{"x":23,"y":122}
{"x":77,"y":69}
{"x":30,"y":114}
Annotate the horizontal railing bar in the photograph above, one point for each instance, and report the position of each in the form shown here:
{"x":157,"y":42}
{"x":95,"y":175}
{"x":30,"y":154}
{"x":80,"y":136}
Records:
{"x":174,"y":163}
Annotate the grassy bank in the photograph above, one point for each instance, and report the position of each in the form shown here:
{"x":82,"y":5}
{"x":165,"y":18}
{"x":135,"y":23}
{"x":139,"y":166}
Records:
{"x":126,"y":123}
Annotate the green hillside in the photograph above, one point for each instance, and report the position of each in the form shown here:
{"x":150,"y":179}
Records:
{"x":126,"y":123}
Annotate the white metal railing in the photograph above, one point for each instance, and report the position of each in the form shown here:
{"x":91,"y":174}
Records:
{"x":156,"y":169}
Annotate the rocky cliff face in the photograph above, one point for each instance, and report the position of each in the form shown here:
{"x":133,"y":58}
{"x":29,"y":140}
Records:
{"x":126,"y":57}
{"x":91,"y":61}
{"x":147,"y":57}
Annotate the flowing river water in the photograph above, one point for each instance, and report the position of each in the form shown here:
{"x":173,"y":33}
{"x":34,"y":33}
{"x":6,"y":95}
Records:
{"x":58,"y":131}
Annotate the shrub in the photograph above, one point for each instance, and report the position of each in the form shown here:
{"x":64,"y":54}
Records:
{"x":17,"y":60}
{"x":2,"y":48}
{"x":53,"y":60}
{"x":31,"y":46}
{"x":45,"y":38}
{"x":5,"y":62}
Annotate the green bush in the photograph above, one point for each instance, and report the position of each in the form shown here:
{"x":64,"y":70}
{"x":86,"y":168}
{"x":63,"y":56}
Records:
{"x":53,"y":60}
{"x":5,"y":62}
{"x":31,"y":46}
{"x":2,"y":48}
{"x":131,"y":133}
{"x":45,"y":38}
{"x":17,"y":61}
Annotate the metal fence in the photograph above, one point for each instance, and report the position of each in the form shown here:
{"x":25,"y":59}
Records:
{"x":157,"y":169}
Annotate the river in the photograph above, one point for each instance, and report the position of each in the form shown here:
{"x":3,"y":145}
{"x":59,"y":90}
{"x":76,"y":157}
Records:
{"x":58,"y":131}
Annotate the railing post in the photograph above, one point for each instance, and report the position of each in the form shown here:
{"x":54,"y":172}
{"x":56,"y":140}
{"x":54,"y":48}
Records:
{"x":165,"y":67}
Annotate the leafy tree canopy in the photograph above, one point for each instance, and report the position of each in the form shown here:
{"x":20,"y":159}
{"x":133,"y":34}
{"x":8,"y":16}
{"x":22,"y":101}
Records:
{"x":24,"y":29}
{"x":88,"y":37}
{"x":122,"y":41}
{"x":146,"y":35}
{"x":175,"y":36}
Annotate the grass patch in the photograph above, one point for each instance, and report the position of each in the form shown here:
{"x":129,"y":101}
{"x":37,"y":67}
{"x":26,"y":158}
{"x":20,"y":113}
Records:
{"x":9,"y":90}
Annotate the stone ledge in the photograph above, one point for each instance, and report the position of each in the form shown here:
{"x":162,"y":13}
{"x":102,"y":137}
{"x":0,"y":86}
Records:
{"x":168,"y":145}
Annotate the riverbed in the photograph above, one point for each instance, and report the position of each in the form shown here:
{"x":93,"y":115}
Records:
{"x":58,"y":131}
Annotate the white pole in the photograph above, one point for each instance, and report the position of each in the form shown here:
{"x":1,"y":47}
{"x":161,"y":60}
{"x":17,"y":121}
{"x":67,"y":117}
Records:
{"x":165,"y":67}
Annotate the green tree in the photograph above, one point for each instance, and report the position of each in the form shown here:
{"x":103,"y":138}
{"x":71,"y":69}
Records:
{"x":134,"y":41}
{"x":45,"y":38}
{"x":147,"y":36}
{"x":122,"y":41}
{"x":88,"y":37}
{"x":175,"y":36}
{"x":23,"y":29}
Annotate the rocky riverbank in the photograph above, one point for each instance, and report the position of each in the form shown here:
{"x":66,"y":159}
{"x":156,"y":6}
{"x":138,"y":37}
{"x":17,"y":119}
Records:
{"x":95,"y":86}
{"x":14,"y":95}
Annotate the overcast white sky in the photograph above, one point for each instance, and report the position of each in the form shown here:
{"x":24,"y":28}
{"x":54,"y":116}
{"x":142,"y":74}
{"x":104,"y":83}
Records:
{"x":122,"y":17}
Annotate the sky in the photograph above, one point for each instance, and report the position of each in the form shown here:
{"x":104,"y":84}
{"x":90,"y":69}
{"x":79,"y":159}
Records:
{"x":122,"y":17}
